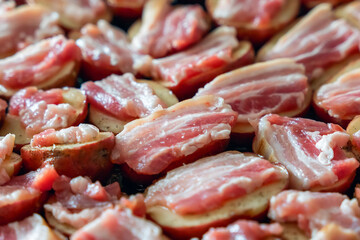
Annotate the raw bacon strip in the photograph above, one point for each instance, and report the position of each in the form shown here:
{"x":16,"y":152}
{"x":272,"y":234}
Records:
{"x":122,"y":97}
{"x":25,"y":25}
{"x":257,"y":13}
{"x":81,"y":134}
{"x":166,"y":29}
{"x":33,"y":227}
{"x":244,"y":229}
{"x":188,"y":70}
{"x":6,"y":149}
{"x":314,"y":211}
{"x":277,"y":86}
{"x":341,"y":98}
{"x":210,"y":182}
{"x":107,"y":49}
{"x":150,"y":145}
{"x":317,"y":41}
{"x":40,"y":64}
{"x":114,"y":224}
{"x":76,"y":13}
{"x":315,"y":157}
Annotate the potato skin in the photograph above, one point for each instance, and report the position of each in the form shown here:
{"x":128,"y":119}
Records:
{"x":90,"y":159}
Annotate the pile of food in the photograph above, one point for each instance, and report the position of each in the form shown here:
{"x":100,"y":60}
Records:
{"x":160,"y":119}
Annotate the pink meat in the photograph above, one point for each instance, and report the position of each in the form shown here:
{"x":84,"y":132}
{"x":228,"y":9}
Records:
{"x":77,"y":12}
{"x":150,"y":145}
{"x":341,"y":99}
{"x":25,"y":25}
{"x":273,"y":87}
{"x":244,"y":229}
{"x":122,"y":97}
{"x":317,"y":41}
{"x":80,"y":134}
{"x":166,"y":29}
{"x":38,"y":63}
{"x":258,"y":13}
{"x":214,"y":51}
{"x":114,"y":224}
{"x":108,"y":48}
{"x":314,"y":210}
{"x":210,"y":182}
{"x":315,"y":155}
{"x":6,"y":149}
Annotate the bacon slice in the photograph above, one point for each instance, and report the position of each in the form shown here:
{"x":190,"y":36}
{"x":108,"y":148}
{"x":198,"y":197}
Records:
{"x":25,"y":25}
{"x":107,"y":49}
{"x":115,"y":224}
{"x":259,"y":12}
{"x":186,"y":129}
{"x":166,"y":29}
{"x":218,"y":179}
{"x":244,"y":229}
{"x":314,"y":211}
{"x":340,"y":98}
{"x":315,"y":157}
{"x":277,"y":86}
{"x":76,"y":13}
{"x":317,"y":41}
{"x":188,"y":70}
{"x":43,"y":64}
{"x":33,"y":227}
{"x":122,"y":97}
{"x":6,"y":149}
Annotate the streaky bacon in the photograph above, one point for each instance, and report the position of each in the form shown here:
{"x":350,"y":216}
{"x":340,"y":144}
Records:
{"x":150,"y":145}
{"x":108,"y":49}
{"x":33,"y":227}
{"x":167,"y":29}
{"x":76,"y":13}
{"x":115,"y":224}
{"x":314,"y":210}
{"x":244,"y":229}
{"x":210,"y":182}
{"x":80,"y":134}
{"x":6,"y":149}
{"x":25,"y":25}
{"x":38,"y":63}
{"x":341,"y":98}
{"x":258,"y":12}
{"x":315,"y":156}
{"x":276,"y":86}
{"x":194,"y":67}
{"x":317,"y":41}
{"x":122,"y":97}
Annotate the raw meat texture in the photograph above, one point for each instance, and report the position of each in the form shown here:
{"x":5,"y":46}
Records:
{"x":78,"y":201}
{"x":244,"y":229}
{"x":314,"y":211}
{"x":341,"y":98}
{"x":6,"y":149}
{"x":258,"y":12}
{"x":33,"y":227}
{"x":313,"y":3}
{"x":114,"y":224}
{"x":25,"y":25}
{"x":150,"y":145}
{"x":76,"y":13}
{"x":38,"y":64}
{"x":277,"y":86}
{"x":317,"y":41}
{"x":107,"y":49}
{"x":127,"y":8}
{"x":210,"y":182}
{"x":6,"y":6}
{"x":40,"y":110}
{"x":165,"y":29}
{"x":122,"y":97}
{"x":80,"y":134}
{"x":186,"y":71}
{"x":315,"y":157}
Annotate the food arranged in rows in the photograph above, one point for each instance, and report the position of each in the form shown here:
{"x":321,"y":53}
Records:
{"x":153,"y":119}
